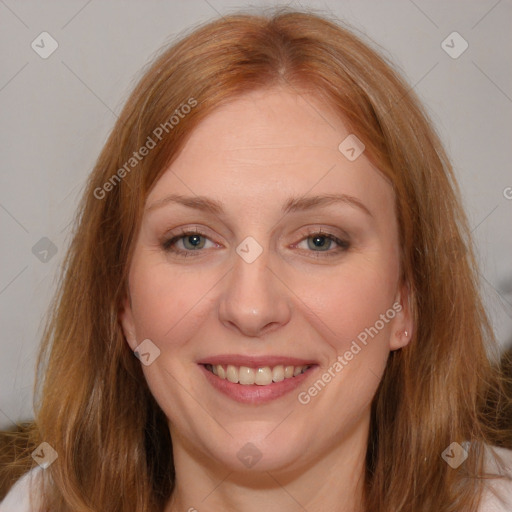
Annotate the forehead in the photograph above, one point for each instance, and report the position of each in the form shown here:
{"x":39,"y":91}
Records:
{"x":267,"y":144}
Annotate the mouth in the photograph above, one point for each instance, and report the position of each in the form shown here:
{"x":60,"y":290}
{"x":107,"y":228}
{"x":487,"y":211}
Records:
{"x":260,"y":376}
{"x":256,"y":380}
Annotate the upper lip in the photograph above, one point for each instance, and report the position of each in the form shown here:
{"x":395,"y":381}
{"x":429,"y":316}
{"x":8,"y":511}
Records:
{"x":255,"y":361}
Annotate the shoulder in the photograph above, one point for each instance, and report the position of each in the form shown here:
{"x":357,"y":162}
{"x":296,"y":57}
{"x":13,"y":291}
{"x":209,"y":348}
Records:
{"x":23,"y":496}
{"x":497,"y":495}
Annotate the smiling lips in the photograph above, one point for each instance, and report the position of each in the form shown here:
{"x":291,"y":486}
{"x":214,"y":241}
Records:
{"x":256,"y":380}
{"x":261,"y":376}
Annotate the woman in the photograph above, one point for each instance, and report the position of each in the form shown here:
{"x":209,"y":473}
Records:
{"x":270,"y":300}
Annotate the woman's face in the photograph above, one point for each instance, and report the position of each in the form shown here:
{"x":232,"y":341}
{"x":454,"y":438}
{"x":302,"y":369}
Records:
{"x":258,"y":286}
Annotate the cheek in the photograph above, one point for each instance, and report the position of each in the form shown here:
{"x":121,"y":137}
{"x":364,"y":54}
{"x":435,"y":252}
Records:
{"x":165,"y":301}
{"x":354,"y":315}
{"x":352,"y":298}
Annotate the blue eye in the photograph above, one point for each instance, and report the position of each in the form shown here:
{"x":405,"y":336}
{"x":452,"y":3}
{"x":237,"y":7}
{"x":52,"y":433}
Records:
{"x":194,"y":240}
{"x":191,"y":242}
{"x":322,"y":243}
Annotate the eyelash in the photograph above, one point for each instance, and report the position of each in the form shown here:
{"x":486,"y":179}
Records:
{"x":168,"y":245}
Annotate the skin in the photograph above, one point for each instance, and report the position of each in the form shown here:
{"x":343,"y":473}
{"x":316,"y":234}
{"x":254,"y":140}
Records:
{"x":252,"y":155}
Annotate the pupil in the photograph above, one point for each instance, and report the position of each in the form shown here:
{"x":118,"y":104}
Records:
{"x":195,"y":240}
{"x":320,"y":241}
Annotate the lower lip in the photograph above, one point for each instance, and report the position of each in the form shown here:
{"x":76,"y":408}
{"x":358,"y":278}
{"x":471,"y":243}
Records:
{"x":254,"y":394}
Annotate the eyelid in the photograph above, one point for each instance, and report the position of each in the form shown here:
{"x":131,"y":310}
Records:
{"x":315,"y":230}
{"x":182,"y":232}
{"x":343,"y":241}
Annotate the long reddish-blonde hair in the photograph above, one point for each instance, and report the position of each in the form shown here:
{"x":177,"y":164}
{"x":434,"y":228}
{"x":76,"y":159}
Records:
{"x":93,"y":404}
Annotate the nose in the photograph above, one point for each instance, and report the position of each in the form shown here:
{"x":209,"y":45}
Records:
{"x":254,"y":301}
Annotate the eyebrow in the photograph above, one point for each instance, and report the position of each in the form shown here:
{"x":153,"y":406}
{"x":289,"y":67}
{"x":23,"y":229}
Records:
{"x":293,"y":204}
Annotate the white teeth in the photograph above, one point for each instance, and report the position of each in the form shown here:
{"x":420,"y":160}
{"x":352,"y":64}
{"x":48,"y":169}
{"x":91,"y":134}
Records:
{"x":232,"y":374}
{"x":246,"y":375}
{"x":288,"y":372}
{"x":220,"y":371}
{"x":278,"y":373}
{"x":262,"y":376}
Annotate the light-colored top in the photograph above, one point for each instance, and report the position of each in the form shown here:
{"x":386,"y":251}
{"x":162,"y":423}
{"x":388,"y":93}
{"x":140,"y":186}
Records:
{"x":23,"y":496}
{"x":497,"y":497}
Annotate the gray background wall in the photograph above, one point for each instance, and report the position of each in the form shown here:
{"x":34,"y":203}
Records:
{"x":56,"y":113}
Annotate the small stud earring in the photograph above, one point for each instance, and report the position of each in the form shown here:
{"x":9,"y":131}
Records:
{"x":406,"y":334}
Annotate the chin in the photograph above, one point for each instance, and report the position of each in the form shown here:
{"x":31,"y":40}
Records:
{"x":260,"y":452}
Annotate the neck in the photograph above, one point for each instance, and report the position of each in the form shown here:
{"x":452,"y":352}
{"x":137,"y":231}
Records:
{"x":333,"y":482}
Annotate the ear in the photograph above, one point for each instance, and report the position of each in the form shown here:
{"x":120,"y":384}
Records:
{"x":127,"y":322}
{"x":403,"y":326}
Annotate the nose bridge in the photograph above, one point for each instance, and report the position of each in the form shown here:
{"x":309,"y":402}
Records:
{"x":254,"y":301}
